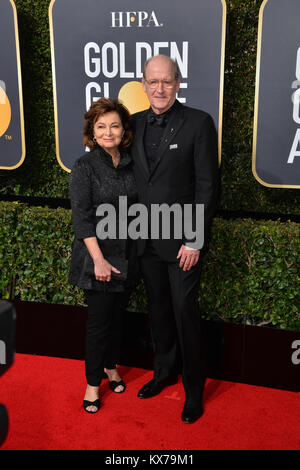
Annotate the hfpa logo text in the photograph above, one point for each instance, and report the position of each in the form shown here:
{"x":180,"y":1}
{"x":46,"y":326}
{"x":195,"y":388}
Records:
{"x":126,"y":19}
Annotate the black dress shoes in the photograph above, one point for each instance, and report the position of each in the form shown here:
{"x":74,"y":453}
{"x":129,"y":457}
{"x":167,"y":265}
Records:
{"x":191,"y":413}
{"x":154,"y":387}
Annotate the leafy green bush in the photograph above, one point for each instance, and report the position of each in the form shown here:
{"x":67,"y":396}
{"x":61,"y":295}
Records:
{"x":8,"y":244}
{"x":44,"y":241}
{"x":250,"y":275}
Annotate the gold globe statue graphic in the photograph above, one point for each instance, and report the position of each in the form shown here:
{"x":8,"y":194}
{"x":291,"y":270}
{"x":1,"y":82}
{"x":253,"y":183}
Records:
{"x":133,"y":97}
{"x":5,"y":111}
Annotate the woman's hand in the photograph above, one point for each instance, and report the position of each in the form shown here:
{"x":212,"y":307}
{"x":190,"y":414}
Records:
{"x":103,"y":269}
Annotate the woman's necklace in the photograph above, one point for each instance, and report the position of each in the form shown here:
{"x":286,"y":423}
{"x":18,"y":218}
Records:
{"x":116,"y":160}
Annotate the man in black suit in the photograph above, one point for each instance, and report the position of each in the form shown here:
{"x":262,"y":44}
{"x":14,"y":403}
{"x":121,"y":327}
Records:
{"x":176,"y":162}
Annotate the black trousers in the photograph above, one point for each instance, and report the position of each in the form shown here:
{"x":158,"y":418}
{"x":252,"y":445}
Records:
{"x":175,"y":321}
{"x":103,"y":332}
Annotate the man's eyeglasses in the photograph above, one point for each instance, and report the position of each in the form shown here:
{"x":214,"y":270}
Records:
{"x":164,"y":83}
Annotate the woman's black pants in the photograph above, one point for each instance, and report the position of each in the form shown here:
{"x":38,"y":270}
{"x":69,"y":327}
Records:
{"x":103,"y":332}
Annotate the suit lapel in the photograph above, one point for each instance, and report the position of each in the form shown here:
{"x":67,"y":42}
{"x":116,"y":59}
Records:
{"x":173,"y":126}
{"x":139,"y":142}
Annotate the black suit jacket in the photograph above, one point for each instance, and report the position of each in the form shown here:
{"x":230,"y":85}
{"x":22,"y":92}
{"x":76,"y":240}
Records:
{"x":186,"y":171}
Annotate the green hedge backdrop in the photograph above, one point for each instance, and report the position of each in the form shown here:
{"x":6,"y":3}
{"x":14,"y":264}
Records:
{"x":250,"y":275}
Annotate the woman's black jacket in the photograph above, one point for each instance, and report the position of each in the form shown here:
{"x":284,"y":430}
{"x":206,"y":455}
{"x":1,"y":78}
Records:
{"x":94,"y":181}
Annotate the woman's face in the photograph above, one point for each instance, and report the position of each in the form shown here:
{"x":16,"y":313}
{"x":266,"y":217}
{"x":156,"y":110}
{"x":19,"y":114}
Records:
{"x":108,"y":131}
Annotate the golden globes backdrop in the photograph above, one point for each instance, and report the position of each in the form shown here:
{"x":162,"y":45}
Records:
{"x":276,"y":137}
{"x":99,"y":48}
{"x":12,"y":141}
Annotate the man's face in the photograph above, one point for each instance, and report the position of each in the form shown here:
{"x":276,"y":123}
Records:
{"x":160,"y":84}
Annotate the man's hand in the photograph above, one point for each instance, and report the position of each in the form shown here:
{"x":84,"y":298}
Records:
{"x":189,"y":257}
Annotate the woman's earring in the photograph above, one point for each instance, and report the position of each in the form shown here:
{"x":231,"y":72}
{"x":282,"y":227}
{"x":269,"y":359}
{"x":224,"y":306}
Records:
{"x":94,"y":140}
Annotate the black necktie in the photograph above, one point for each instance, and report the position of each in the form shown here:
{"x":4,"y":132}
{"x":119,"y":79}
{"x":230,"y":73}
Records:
{"x":158,"y":118}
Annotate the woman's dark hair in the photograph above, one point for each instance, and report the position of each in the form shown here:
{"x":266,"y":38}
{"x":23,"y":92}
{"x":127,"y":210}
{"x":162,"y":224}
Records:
{"x":99,"y":108}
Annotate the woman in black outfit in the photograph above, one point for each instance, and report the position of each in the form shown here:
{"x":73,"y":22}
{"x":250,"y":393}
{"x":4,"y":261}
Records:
{"x":105,"y":268}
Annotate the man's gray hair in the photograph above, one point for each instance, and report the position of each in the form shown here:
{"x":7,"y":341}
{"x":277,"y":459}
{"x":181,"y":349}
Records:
{"x":174,"y":63}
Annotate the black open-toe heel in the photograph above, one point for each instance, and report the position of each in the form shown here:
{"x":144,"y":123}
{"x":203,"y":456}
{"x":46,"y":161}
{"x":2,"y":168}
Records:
{"x":87,"y":403}
{"x":113,"y":385}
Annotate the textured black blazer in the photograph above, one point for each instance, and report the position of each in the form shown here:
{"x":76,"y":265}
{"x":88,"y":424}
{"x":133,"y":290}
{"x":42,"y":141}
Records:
{"x":93,"y":181}
{"x":186,"y":171}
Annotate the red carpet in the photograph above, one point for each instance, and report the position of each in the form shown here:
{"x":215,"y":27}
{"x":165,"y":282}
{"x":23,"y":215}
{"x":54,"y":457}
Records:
{"x":44,"y":400}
